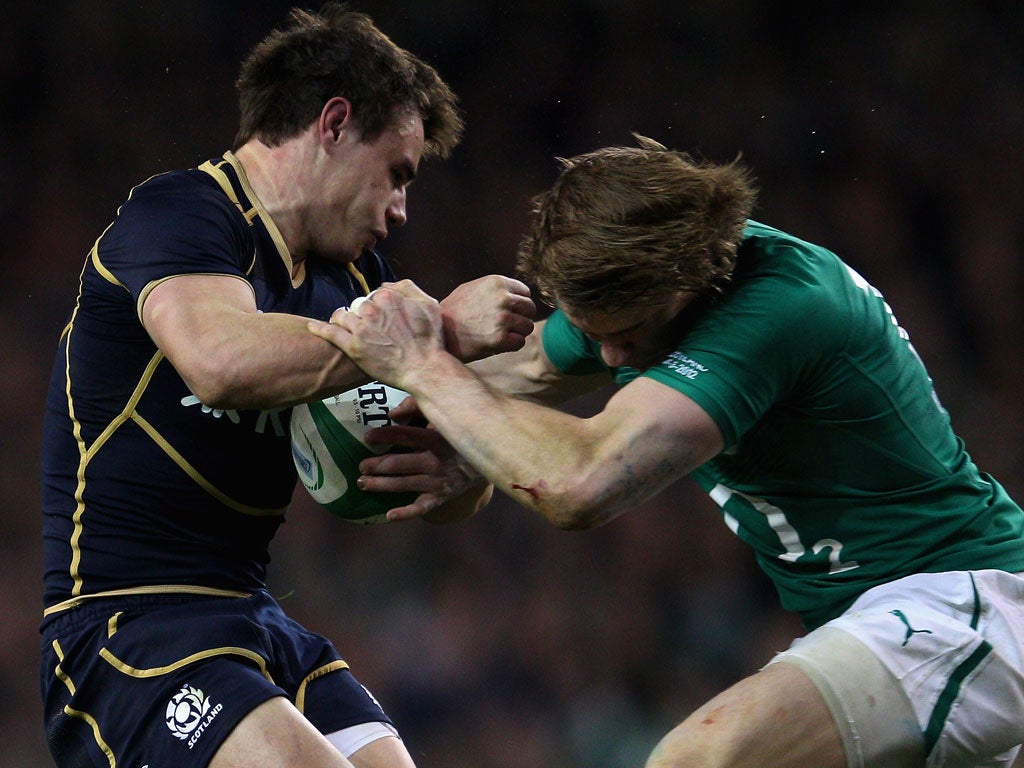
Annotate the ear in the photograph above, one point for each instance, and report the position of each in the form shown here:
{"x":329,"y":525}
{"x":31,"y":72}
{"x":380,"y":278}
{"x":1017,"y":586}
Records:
{"x":335,"y":118}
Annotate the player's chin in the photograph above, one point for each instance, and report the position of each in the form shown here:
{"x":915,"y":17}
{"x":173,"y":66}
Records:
{"x":342,"y":254}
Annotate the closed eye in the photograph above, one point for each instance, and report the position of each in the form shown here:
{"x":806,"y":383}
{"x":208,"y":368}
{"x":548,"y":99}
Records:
{"x":403,"y":174}
{"x":617,"y":335}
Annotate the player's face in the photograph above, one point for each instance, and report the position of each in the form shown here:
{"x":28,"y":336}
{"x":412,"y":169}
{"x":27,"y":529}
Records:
{"x":638,"y":338}
{"x":364,"y":189}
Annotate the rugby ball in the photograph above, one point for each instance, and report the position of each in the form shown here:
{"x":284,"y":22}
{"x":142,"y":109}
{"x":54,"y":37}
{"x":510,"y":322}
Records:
{"x":328,"y":443}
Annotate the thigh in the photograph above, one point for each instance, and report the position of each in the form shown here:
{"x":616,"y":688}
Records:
{"x":276,"y":735}
{"x":939,"y":657}
{"x":871,"y":712}
{"x":775,"y":718}
{"x":389,"y":752}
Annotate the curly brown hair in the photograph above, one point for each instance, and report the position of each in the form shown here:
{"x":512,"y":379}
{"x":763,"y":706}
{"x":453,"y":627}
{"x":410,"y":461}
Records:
{"x":288,"y":77}
{"x":627,"y":226}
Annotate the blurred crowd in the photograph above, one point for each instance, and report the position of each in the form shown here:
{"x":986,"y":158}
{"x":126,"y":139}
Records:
{"x":891,"y":132}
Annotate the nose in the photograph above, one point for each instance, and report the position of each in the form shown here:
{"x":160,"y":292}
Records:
{"x":615,"y":355}
{"x":396,"y":209}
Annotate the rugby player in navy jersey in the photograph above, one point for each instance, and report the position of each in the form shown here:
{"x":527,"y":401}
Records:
{"x":779,"y":378}
{"x":166,"y":462}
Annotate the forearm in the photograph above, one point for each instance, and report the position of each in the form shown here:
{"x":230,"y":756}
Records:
{"x":527,"y":374}
{"x":264,"y":361}
{"x":513,"y":444}
{"x":233,"y":356}
{"x":578,"y":473}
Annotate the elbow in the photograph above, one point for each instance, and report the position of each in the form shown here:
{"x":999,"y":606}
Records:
{"x":578,"y":517}
{"x":575,"y":507}
{"x":212,"y":395}
{"x":213,"y":383}
{"x":568,"y":520}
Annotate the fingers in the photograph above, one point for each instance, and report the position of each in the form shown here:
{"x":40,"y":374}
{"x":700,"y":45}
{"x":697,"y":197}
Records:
{"x":407,"y":436}
{"x":400,"y":466}
{"x":358,"y":302}
{"x":510,"y":284}
{"x":397,"y":484}
{"x":516,"y":323}
{"x":423,"y":504}
{"x":522,"y":305}
{"x":407,"y":289}
{"x":332,"y":331}
{"x":406,"y":411}
{"x":404,"y":288}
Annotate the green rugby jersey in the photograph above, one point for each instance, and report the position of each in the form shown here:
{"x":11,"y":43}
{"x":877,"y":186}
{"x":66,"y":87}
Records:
{"x":842,"y":470}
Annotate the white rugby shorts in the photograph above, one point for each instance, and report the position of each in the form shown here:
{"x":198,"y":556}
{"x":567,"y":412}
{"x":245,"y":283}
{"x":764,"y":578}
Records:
{"x":929,"y":666}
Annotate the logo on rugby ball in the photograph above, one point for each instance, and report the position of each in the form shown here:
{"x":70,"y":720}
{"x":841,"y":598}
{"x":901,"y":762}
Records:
{"x":328,"y":441}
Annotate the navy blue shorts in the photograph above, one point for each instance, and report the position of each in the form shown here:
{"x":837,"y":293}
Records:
{"x":162,"y":680}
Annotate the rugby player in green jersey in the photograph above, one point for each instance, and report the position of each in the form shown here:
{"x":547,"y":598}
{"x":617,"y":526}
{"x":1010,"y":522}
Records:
{"x":780,"y":380}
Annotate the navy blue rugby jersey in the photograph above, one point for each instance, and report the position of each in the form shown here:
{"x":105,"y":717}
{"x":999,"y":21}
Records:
{"x":143,"y":487}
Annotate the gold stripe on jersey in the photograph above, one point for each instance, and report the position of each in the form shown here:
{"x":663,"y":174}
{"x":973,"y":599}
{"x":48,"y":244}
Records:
{"x":101,"y":270}
{"x":144,"y":293}
{"x":164,"y":589}
{"x":359,"y":277}
{"x":256,"y":211}
{"x":83,"y":460}
{"x":215,"y":172}
{"x":265,"y":217}
{"x":94,"y":254}
{"x":194,"y":473}
{"x":228,"y":650}
{"x":300,"y":694}
{"x":228,"y":188}
{"x":87,"y":452}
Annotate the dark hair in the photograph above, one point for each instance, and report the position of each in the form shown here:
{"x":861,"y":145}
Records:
{"x":288,"y":77}
{"x":632,"y":225}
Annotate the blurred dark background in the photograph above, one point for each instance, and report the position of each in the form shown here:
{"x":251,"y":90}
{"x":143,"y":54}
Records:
{"x":890,"y":132}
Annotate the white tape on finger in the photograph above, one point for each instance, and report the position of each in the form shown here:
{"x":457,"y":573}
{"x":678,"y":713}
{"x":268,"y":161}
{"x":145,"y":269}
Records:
{"x":359,"y":301}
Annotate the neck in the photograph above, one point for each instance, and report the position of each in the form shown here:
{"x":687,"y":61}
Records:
{"x":274,"y":175}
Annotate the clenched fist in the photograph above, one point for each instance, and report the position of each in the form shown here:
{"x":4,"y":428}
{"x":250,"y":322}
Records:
{"x":486,"y":316}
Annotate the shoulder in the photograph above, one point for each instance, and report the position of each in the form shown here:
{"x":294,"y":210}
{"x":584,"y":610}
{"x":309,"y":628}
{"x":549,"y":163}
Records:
{"x":788,"y":287}
{"x":174,"y":223}
{"x":788,"y":264}
{"x":178,"y":206}
{"x":177,"y":194}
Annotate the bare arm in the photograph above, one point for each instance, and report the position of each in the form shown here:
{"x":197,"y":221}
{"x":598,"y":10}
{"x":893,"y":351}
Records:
{"x":528,"y":374}
{"x":232,"y":356}
{"x":482,"y":317}
{"x":577,"y":472}
{"x":433,"y":467}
